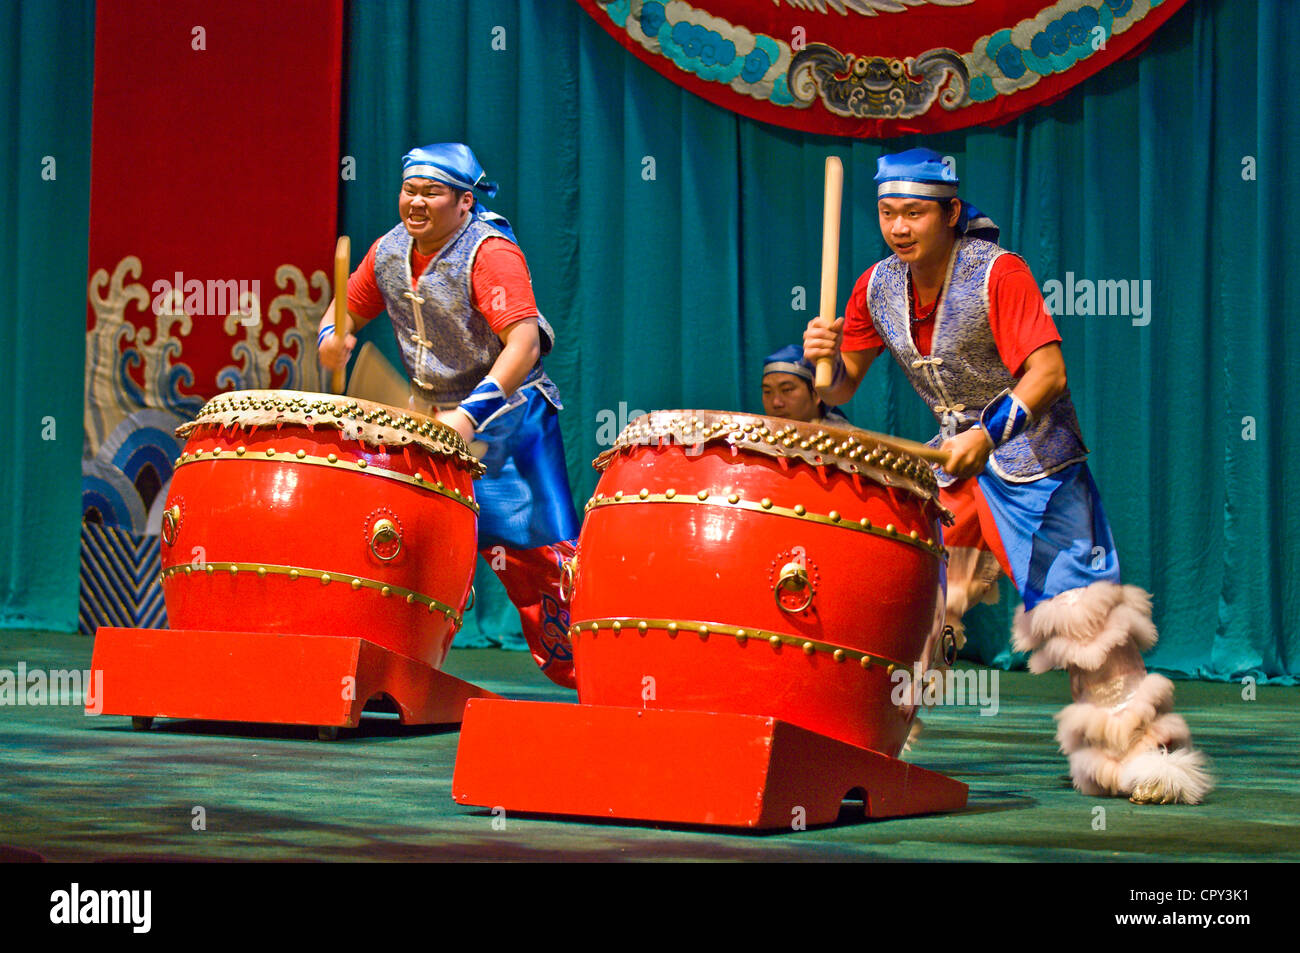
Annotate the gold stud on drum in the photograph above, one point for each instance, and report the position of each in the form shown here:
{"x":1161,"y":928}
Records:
{"x":568,"y":579}
{"x":793,"y":578}
{"x":171,"y":525}
{"x":385,"y":532}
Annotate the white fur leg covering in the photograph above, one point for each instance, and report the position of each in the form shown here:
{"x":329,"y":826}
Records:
{"x":1068,"y":624}
{"x":1120,"y":735}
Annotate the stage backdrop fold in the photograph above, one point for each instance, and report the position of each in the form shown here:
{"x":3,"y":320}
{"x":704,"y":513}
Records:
{"x":46,"y":59}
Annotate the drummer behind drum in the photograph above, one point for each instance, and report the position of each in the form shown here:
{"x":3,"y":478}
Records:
{"x":788,"y":390}
{"x":456,"y":287}
{"x":967,"y":324}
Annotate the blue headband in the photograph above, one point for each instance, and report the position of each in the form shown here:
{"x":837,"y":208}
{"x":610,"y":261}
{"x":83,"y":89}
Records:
{"x":922,"y":174}
{"x":788,"y":360}
{"x":454,"y":164}
{"x":450,"y":162}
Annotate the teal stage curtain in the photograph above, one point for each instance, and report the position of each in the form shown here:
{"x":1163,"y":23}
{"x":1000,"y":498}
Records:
{"x":46,"y":57}
{"x":673,"y":244}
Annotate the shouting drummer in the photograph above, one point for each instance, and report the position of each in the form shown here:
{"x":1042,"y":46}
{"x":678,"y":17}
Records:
{"x":457,"y":289}
{"x":967,"y":324}
{"x":788,"y":390}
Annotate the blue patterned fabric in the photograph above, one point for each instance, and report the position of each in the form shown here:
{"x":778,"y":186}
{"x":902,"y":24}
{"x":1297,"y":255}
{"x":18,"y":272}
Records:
{"x":1054,"y":532}
{"x":449,"y":347}
{"x":119,"y":579}
{"x":524,"y":497}
{"x":963,"y":371}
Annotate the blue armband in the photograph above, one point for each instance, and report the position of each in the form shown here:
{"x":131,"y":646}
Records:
{"x":324,"y":330}
{"x":487,"y":402}
{"x":1005,"y":418}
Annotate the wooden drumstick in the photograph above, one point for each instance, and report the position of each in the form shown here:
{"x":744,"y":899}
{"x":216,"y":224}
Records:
{"x":342,"y":266}
{"x":830,"y":257}
{"x":932,"y":454}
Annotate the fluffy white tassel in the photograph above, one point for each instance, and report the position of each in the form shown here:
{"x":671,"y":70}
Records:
{"x":1152,"y":775}
{"x":1166,"y":777}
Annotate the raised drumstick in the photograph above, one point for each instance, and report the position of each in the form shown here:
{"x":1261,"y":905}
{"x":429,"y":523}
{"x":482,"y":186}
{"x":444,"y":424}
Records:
{"x":830,"y":256}
{"x":830,"y":273}
{"x":342,"y":266}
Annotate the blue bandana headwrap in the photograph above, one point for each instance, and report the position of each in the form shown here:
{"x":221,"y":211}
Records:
{"x":788,"y":360}
{"x":922,"y":174}
{"x":454,"y":163}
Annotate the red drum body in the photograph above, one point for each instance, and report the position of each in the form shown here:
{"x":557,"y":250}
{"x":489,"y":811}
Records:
{"x":308,"y":514}
{"x":749,"y":565}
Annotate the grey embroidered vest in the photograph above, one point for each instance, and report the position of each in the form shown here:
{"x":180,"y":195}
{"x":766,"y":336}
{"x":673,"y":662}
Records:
{"x":963,"y":371}
{"x":447,"y":345}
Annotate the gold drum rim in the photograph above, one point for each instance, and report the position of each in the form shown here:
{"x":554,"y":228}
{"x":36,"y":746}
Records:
{"x":742,"y":635}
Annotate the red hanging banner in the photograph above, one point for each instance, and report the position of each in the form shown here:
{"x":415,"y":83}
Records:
{"x":214,"y":192}
{"x":880,"y":68}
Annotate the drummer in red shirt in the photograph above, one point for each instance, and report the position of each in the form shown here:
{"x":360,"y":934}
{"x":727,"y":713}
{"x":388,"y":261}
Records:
{"x":965,"y":321}
{"x":457,"y":290}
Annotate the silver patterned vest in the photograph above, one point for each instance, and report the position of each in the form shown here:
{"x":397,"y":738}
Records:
{"x":447,"y":345}
{"x":963,"y":371}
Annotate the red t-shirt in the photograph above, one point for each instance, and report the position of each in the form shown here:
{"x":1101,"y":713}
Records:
{"x":1018,"y":316}
{"x":499,"y":283}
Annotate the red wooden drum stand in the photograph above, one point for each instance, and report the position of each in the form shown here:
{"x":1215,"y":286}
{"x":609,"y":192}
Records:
{"x":317,"y":553}
{"x":743,"y":591}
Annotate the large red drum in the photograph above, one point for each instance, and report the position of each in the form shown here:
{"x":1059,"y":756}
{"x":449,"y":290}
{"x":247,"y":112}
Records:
{"x":316,"y":515}
{"x":744,"y":564}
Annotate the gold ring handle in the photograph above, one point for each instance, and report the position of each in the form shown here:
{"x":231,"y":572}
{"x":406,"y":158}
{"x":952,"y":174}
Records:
{"x":793,"y":578}
{"x":385,"y":531}
{"x":473,"y":598}
{"x":568,"y":579}
{"x":171,"y":525}
{"x":949,"y":645}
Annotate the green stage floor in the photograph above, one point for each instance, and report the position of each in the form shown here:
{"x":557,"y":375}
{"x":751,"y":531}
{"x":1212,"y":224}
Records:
{"x":87,"y":789}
